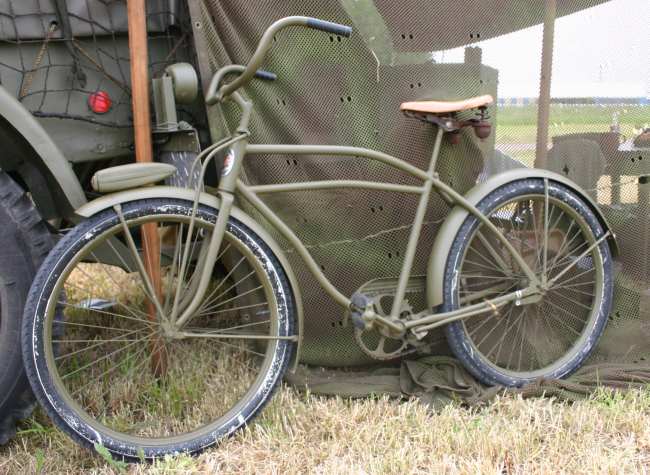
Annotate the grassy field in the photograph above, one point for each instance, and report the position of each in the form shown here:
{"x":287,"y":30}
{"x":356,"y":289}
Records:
{"x":300,"y":433}
{"x":517,"y":126}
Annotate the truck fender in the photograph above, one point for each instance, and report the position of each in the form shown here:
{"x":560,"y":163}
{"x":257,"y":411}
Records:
{"x":456,"y":218}
{"x":166,"y":192}
{"x":49,"y":156}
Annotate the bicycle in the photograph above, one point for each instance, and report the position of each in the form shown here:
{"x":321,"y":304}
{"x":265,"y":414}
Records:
{"x":520,"y":275}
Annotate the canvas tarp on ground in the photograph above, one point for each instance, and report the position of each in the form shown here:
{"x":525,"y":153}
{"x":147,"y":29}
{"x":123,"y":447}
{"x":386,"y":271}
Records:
{"x":332,"y":90}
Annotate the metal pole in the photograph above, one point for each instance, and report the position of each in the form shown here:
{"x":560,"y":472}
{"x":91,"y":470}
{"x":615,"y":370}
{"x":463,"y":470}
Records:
{"x":138,"y":54}
{"x":544,"y":102}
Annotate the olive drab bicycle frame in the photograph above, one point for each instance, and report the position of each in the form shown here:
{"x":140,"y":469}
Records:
{"x":536,"y":230}
{"x":238,"y":148}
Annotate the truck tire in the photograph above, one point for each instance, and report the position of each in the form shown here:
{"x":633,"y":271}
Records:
{"x":25,"y":240}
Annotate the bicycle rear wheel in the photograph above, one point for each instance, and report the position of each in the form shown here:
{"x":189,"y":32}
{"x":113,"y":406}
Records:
{"x":551,"y":335}
{"x":114,"y":372}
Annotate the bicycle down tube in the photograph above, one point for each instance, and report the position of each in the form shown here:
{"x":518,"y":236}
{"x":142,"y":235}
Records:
{"x":232,"y":185}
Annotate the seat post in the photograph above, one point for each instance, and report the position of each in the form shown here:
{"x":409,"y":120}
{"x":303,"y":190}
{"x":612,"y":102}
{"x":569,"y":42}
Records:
{"x":436,"y":151}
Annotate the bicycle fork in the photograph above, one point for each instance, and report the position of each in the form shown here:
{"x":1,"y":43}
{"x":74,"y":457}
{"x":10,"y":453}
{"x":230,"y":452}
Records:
{"x":207,"y":266}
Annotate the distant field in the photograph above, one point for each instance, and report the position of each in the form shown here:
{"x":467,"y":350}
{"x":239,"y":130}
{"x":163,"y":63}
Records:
{"x":575,"y":115}
{"x":518,"y":125}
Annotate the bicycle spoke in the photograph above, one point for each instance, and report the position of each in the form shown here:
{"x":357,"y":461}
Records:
{"x":86,"y":325}
{"x":234,"y":298}
{"x":141,"y":351}
{"x":486,"y":336}
{"x":521,"y":347}
{"x":208,"y":300}
{"x":554,"y":282}
{"x":497,"y":257}
{"x":484,"y":266}
{"x":573,"y":301}
{"x":505,"y":333}
{"x":103,"y":312}
{"x":513,"y":345}
{"x":484,"y":257}
{"x":119,"y":256}
{"x":148,"y":286}
{"x":97,"y":344}
{"x":562,"y":322}
{"x":233,"y":309}
{"x":103,"y":358}
{"x":570,"y":257}
{"x":209,"y":330}
{"x":172,"y":267}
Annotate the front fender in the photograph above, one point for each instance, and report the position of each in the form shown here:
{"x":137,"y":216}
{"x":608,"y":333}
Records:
{"x":108,"y":201}
{"x":455,"y":219}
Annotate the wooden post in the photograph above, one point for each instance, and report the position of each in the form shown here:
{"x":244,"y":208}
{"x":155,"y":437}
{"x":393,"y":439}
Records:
{"x":544,"y":101}
{"x":137,"y":24}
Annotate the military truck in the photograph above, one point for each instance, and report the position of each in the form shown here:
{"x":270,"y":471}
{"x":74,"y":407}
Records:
{"x":65,"y":112}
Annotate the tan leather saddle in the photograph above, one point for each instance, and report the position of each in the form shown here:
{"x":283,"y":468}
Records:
{"x":443,"y":114}
{"x":445,"y":107}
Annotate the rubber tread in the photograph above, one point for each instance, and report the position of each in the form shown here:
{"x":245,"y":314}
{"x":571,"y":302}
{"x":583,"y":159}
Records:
{"x":455,"y":332}
{"x":32,"y":242}
{"x":87,"y":436}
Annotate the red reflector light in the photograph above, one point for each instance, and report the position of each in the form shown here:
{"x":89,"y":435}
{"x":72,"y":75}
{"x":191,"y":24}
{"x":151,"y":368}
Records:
{"x":100,"y":102}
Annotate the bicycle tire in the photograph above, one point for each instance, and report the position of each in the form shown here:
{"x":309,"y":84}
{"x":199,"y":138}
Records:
{"x":467,"y":349}
{"x":89,"y":432}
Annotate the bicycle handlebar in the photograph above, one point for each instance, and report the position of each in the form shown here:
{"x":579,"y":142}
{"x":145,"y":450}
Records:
{"x":211,"y":96}
{"x":265,"y":75}
{"x":329,"y":27}
{"x":264,"y":45}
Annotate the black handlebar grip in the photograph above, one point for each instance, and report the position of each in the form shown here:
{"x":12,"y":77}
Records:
{"x":330,"y":27}
{"x":265,"y":75}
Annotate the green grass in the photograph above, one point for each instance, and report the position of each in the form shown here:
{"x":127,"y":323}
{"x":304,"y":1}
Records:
{"x":574,"y":115}
{"x":519,"y":124}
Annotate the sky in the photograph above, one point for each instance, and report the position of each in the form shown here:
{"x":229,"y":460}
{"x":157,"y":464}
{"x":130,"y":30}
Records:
{"x":603,"y":51}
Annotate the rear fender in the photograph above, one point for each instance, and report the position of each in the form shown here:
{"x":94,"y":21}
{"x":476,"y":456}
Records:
{"x":455,"y":219}
{"x":167,"y":192}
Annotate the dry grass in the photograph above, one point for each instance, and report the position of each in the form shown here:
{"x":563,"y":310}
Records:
{"x":300,"y":433}
{"x":309,"y":434}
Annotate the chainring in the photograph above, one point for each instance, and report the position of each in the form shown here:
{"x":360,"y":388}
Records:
{"x":374,"y":344}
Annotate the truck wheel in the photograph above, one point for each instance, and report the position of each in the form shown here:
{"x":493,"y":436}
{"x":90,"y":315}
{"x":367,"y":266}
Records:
{"x":25,"y":240}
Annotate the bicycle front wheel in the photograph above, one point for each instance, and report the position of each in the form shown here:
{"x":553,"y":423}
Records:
{"x":549,"y":336}
{"x":118,"y":369}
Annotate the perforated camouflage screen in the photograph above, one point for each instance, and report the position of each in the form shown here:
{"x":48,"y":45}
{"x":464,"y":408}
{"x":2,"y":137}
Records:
{"x":332,"y":90}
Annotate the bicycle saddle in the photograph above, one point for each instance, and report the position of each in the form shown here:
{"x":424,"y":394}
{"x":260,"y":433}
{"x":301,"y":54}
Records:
{"x":446,"y":107}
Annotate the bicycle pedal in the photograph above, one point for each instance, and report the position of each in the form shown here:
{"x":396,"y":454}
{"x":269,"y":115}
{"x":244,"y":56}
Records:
{"x":358,"y":305}
{"x":357,"y":320}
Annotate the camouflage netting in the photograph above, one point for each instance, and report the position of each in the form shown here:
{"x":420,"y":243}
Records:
{"x":337,"y":91}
